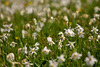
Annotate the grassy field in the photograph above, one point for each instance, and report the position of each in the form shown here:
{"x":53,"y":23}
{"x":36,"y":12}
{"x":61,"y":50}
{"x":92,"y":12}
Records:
{"x":55,"y":33}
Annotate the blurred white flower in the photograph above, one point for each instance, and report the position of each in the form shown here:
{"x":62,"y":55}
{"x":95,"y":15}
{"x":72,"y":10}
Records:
{"x":38,"y":29}
{"x":4,"y":36}
{"x":34,"y":35}
{"x":90,"y":60}
{"x":66,"y":19}
{"x":29,"y":9}
{"x":61,"y":58}
{"x":94,"y":30}
{"x":53,"y":63}
{"x":10,"y":57}
{"x":2,"y":30}
{"x":13,"y":44}
{"x":97,"y":16}
{"x":90,"y":38}
{"x":33,"y":51}
{"x":1,"y":16}
{"x":49,"y":39}
{"x":81,"y":34}
{"x":36,"y":44}
{"x":26,"y":63}
{"x":8,"y":27}
{"x":24,"y":50}
{"x":22,"y":12}
{"x":76,"y":56}
{"x":45,"y":50}
{"x":96,"y":9}
{"x":71,"y":44}
{"x":24,"y":33}
{"x":98,"y":37}
{"x":93,"y":20}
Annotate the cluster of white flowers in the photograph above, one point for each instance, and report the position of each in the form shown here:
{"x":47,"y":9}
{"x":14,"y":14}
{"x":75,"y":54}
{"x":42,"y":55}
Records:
{"x":40,"y":13}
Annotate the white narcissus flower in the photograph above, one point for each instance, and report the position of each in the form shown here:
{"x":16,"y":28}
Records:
{"x":36,"y":44}
{"x":98,"y":37}
{"x":49,"y":39}
{"x":45,"y":50}
{"x":24,"y":33}
{"x":28,"y":64}
{"x":38,"y":29}
{"x":2,"y":30}
{"x":22,"y":12}
{"x":94,"y":30}
{"x":61,"y":58}
{"x":34,"y":35}
{"x":90,"y":60}
{"x":1,"y":16}
{"x":13,"y":44}
{"x":8,"y":27}
{"x":10,"y":57}
{"x":76,"y":56}
{"x":69,"y":32}
{"x":93,"y":20}
{"x":4,"y":36}
{"x":29,"y":10}
{"x":96,"y":9}
{"x":24,"y":50}
{"x":66,"y":19}
{"x":33,"y":51}
{"x":53,"y":63}
{"x":71,"y":44}
{"x":81,"y":34}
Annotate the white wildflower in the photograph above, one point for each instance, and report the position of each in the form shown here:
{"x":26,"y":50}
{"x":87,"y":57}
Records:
{"x":90,"y":60}
{"x":10,"y":57}
{"x":94,"y":30}
{"x":49,"y":39}
{"x":45,"y":50}
{"x":71,"y":44}
{"x":8,"y":27}
{"x":53,"y":63}
{"x":69,"y":32}
{"x":76,"y":56}
{"x":13,"y":44}
{"x":61,"y":58}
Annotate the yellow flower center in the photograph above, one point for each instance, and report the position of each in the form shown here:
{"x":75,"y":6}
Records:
{"x":68,"y":33}
{"x":75,"y":55}
{"x":90,"y":58}
{"x":7,"y":3}
{"x":52,"y":65}
{"x":32,"y":50}
{"x":7,"y":27}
